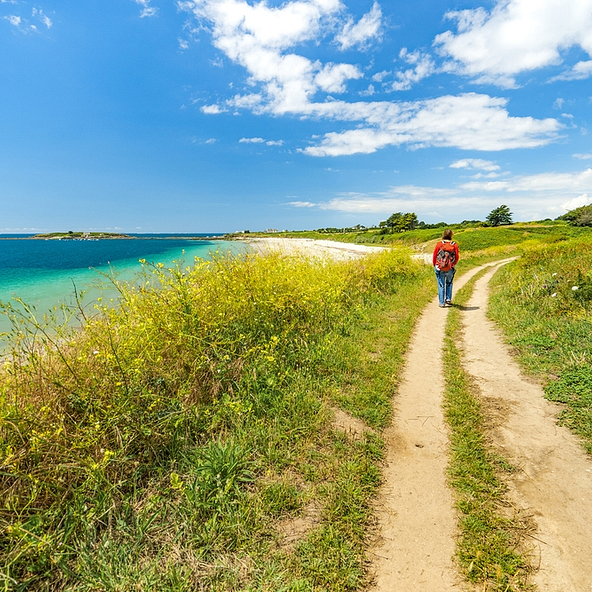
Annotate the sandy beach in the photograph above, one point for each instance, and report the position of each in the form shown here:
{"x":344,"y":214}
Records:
{"x":312,"y":248}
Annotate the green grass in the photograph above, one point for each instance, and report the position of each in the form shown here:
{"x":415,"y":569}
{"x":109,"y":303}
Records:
{"x":491,"y":543}
{"x":164,"y":444}
{"x":543,"y":302}
{"x":469,"y":239}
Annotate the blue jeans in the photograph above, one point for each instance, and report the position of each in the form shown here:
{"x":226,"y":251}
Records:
{"x":444,"y":284}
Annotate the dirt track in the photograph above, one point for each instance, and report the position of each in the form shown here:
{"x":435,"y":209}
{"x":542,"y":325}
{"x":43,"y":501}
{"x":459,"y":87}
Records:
{"x":554,"y":485}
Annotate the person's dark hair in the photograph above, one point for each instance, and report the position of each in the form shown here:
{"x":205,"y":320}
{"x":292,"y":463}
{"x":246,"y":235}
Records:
{"x":447,"y":234}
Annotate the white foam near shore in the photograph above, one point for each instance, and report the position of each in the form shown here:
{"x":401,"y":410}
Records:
{"x":312,"y":247}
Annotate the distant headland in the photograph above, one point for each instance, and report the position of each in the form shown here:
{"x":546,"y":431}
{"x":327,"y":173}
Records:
{"x":94,"y":236}
{"x":71,"y":235}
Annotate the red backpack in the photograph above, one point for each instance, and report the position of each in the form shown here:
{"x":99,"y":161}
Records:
{"x":446,"y":256}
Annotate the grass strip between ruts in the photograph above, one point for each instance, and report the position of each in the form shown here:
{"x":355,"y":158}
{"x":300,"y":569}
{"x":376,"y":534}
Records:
{"x":490,"y":542}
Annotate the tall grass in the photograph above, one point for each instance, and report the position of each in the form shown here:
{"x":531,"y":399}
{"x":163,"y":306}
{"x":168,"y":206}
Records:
{"x":543,"y":302}
{"x":160,"y":446}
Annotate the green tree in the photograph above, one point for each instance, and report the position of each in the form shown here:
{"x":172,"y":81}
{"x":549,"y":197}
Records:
{"x":581,"y":216}
{"x":499,"y":216}
{"x":399,"y":222}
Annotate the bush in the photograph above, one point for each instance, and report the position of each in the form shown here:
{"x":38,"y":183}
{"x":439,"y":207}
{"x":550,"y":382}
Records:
{"x":158,"y":414}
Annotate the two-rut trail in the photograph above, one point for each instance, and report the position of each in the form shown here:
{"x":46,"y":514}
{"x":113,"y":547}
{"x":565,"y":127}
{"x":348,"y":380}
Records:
{"x":417,"y":520}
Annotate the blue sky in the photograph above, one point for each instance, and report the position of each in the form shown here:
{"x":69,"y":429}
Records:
{"x":222,"y":115}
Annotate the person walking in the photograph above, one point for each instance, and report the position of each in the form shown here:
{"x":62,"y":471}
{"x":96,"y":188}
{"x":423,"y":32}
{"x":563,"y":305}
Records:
{"x":445,"y":259}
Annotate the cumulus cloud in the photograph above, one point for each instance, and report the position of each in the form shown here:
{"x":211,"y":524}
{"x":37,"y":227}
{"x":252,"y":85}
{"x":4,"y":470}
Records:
{"x":332,"y":77}
{"x":470,"y":121}
{"x":423,"y":66}
{"x":475,"y":164}
{"x":361,"y":33}
{"x":516,"y":36}
{"x":528,"y":196}
{"x":261,"y":38}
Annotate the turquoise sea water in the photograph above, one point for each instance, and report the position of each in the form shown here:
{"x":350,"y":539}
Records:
{"x":45,"y":273}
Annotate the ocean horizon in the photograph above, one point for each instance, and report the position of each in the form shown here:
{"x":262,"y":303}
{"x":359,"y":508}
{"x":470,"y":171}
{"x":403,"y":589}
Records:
{"x":47,"y":273}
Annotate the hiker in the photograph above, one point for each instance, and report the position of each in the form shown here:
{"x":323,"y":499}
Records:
{"x":445,"y":259}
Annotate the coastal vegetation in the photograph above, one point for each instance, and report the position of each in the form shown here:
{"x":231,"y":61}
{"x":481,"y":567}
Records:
{"x":543,"y":302}
{"x":184,"y":438}
{"x":471,"y":236}
{"x":186,"y":435}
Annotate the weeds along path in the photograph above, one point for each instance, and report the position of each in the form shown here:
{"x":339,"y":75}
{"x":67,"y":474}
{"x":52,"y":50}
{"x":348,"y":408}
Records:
{"x":417,"y":522}
{"x":554,"y":480}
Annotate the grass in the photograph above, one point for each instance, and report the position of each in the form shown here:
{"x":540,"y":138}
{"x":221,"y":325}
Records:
{"x":491,"y":543}
{"x":168,"y":443}
{"x":543,"y":302}
{"x":470,"y":239}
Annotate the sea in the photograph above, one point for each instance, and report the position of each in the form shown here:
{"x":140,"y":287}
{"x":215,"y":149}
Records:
{"x":47,"y":273}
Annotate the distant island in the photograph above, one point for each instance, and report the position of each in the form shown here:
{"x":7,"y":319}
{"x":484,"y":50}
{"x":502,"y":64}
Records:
{"x":70,"y":235}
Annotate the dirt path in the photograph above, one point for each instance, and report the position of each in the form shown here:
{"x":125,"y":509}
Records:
{"x":417,"y":521}
{"x":416,"y":517}
{"x":555,"y":480}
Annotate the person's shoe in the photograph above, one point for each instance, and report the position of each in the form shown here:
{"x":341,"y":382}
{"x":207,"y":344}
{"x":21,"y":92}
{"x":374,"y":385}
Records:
{"x":442,"y":306}
{"x":449,"y":302}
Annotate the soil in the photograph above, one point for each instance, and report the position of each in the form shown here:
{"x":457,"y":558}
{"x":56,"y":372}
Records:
{"x":417,"y":520}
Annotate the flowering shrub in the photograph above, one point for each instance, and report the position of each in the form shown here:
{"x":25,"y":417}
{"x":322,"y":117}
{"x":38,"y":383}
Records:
{"x":89,"y":416}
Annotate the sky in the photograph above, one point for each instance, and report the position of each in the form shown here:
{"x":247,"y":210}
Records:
{"x":225,"y":115}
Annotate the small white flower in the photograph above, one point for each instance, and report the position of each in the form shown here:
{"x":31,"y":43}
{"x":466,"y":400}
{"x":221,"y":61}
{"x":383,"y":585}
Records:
{"x":574,"y":288}
{"x":554,"y":294}
{"x":553,"y":275}
{"x":95,"y":352}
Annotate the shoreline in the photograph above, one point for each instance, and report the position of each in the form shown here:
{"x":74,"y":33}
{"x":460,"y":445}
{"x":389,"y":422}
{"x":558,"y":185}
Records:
{"x":312,"y":247}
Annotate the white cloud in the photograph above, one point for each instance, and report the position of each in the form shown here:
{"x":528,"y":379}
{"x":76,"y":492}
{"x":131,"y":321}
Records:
{"x":516,"y":36}
{"x":360,"y":33}
{"x":423,"y":66}
{"x":577,"y":202}
{"x":212,"y":109}
{"x":302,"y":204}
{"x":261,"y":141}
{"x":211,"y":141}
{"x":332,"y":77}
{"x":529,"y":197}
{"x":485,"y":175}
{"x":13,"y":20}
{"x":580,"y":71}
{"x":260,"y":38}
{"x":583,"y":156}
{"x":475,"y":164}
{"x":147,"y":10}
{"x":469,"y":122}
{"x":38,"y":13}
{"x":368,"y":92}
{"x":380,"y":76}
